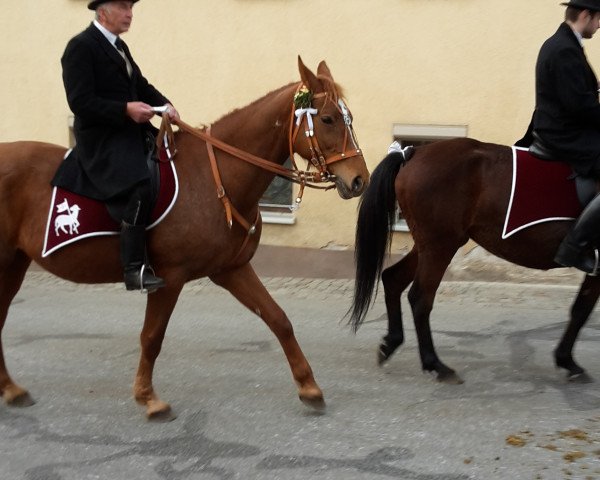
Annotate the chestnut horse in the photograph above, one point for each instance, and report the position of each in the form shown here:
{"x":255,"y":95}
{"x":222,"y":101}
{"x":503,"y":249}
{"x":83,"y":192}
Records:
{"x":449,"y":192}
{"x":196,"y":239}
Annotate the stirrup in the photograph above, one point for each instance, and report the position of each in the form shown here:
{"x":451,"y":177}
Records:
{"x":596,"y":263}
{"x":142,"y":280}
{"x":144,"y":290}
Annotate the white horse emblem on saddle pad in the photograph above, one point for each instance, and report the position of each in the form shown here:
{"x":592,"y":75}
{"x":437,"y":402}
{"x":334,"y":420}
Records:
{"x":68,"y":219}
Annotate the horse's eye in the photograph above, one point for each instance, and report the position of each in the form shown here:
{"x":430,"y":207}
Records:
{"x":327,"y":119}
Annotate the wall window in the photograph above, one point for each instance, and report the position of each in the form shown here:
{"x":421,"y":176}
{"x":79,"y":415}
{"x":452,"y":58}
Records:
{"x":417,"y":135}
{"x":275,"y":205}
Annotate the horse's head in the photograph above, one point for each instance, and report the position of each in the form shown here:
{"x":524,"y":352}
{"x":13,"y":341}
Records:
{"x":326,"y":135}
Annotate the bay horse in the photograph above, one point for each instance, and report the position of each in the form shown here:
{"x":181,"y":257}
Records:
{"x":449,"y":192}
{"x":198,"y":238}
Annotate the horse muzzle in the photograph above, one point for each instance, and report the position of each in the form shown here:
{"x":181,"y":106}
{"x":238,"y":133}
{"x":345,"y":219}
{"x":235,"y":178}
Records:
{"x":354,"y":189}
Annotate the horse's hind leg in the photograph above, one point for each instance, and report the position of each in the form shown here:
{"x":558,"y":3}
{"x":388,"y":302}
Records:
{"x":580,"y":311}
{"x":430,"y":270}
{"x":395,"y":279}
{"x":11,"y":278}
{"x":245,"y":285}
{"x":159,"y":308}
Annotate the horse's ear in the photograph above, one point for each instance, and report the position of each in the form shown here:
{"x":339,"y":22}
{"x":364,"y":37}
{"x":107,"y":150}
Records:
{"x":308,"y":78}
{"x":324,"y":71}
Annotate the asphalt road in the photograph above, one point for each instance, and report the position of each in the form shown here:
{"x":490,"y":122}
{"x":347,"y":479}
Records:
{"x":238,"y":417}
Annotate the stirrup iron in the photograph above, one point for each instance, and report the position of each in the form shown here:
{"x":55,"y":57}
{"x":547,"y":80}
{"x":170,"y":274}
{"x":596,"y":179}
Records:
{"x":596,"y":263}
{"x":143,"y":289}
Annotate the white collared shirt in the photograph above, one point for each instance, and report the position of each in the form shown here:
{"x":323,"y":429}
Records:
{"x":577,"y":34}
{"x":111,"y":37}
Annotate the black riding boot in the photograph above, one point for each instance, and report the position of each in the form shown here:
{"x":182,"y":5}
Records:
{"x":577,"y":249}
{"x":138,"y":276}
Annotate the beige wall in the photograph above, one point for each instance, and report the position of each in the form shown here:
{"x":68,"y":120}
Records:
{"x":464,"y":62}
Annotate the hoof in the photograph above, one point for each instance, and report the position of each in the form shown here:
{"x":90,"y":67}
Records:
{"x":317,"y":404}
{"x":575,"y":373}
{"x":18,"y":398}
{"x":382,"y":355}
{"x":159,"y":412}
{"x":581,"y":378}
{"x":314,"y":401}
{"x":162,"y":417}
{"x":387,"y":347}
{"x":449,"y":378}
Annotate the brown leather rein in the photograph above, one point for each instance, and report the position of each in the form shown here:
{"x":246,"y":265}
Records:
{"x":303,"y":178}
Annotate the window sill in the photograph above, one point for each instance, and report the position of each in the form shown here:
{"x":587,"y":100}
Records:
{"x":400,"y":226}
{"x":279,"y":215}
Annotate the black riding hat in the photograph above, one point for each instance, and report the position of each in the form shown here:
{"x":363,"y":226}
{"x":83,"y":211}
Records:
{"x":593,"y":5}
{"x":93,"y":5}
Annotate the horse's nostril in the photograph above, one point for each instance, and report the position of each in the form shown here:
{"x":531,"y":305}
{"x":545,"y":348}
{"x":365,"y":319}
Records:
{"x":357,"y":184}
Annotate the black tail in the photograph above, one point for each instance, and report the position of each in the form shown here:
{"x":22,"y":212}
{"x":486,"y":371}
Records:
{"x":376,"y":215}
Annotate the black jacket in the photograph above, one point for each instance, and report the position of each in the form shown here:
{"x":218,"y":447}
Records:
{"x":109,"y":156}
{"x":567,"y":112}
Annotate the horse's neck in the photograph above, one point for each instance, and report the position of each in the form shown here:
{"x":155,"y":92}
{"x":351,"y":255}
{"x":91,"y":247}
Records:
{"x":261,"y":128}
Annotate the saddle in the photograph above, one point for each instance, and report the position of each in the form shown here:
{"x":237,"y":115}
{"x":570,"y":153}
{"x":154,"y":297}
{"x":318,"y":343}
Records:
{"x":586,"y":187}
{"x":73,"y":217}
{"x":540,"y":191}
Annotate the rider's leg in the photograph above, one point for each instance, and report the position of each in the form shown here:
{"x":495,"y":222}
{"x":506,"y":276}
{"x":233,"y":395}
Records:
{"x":137,"y":275}
{"x":578,"y":249}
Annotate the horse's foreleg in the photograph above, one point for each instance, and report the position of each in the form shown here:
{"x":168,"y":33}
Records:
{"x":395,"y":279}
{"x":11,"y":278}
{"x":244,"y":284}
{"x":430,"y":270}
{"x":159,"y":307}
{"x":580,"y":311}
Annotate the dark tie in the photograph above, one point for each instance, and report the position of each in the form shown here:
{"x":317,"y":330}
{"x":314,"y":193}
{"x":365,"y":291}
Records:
{"x":119,"y":44}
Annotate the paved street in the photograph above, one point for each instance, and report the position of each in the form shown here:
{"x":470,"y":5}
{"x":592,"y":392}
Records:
{"x":238,"y":417}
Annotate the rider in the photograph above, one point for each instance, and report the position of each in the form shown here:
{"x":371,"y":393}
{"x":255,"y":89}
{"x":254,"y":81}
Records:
{"x":567,"y":119}
{"x":112,"y":101}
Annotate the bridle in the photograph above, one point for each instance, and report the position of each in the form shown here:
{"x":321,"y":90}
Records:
{"x":301,"y":116}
